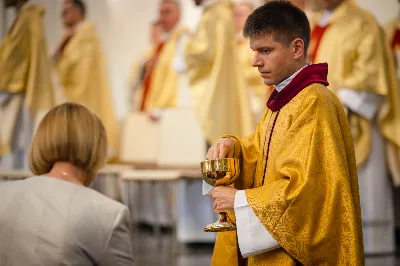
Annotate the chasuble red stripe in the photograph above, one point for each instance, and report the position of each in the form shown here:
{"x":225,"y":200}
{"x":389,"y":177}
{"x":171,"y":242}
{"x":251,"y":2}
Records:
{"x":316,"y":37}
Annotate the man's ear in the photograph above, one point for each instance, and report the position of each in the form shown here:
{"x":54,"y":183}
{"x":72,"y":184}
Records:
{"x":298,"y":48}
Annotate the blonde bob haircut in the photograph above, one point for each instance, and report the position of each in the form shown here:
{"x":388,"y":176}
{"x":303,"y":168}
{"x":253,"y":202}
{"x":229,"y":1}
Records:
{"x":69,"y":133}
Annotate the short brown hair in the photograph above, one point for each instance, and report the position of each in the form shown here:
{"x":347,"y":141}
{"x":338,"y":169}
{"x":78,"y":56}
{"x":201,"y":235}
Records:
{"x":69,"y":133}
{"x":282,"y":20}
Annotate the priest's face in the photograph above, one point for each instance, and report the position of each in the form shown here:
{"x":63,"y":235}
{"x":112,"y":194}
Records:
{"x":330,"y":4}
{"x":240,"y":14}
{"x":274,"y":61}
{"x":169,"y":15}
{"x":71,"y":15}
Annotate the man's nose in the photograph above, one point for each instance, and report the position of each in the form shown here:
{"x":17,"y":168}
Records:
{"x":256,"y":62}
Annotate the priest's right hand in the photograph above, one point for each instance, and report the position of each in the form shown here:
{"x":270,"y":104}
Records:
{"x":223,"y":148}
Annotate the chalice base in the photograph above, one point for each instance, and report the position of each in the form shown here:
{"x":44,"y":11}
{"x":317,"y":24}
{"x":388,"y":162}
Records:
{"x":220,"y":226}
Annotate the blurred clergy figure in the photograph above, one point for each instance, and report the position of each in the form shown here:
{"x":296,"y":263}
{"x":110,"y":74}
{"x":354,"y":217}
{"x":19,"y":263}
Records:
{"x":362,"y":75}
{"x":159,"y":82}
{"x":209,"y":59}
{"x":81,"y":69}
{"x":25,"y":82}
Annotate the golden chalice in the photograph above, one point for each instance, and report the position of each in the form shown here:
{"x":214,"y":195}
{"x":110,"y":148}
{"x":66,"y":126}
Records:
{"x":221,"y":172}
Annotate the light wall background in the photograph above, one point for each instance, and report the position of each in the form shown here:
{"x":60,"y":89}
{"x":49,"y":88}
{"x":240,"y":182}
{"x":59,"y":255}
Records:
{"x":124,"y":28}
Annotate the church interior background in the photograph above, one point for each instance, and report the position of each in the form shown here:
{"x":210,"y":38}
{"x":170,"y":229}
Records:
{"x":124,"y":28}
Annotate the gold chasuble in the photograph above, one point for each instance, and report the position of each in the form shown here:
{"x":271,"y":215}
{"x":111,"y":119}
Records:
{"x":300,"y":178}
{"x":160,"y":85}
{"x":25,"y":71}
{"x":81,"y":70}
{"x":221,"y":104}
{"x":364,"y":63}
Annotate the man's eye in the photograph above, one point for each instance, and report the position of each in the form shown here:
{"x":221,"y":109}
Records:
{"x":265,"y":51}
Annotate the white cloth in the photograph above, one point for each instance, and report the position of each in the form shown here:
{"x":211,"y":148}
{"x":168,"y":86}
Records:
{"x":163,"y":197}
{"x":362,"y":103}
{"x":46,"y":221}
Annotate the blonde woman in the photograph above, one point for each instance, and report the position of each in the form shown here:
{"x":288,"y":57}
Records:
{"x":53,"y":218}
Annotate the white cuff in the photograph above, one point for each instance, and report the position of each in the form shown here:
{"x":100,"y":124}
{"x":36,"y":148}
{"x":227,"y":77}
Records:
{"x":207,"y":189}
{"x":362,"y":103}
{"x":253,"y":237}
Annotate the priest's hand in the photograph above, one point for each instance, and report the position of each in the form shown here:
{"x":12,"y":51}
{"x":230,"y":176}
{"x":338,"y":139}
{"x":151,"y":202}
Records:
{"x":223,"y":148}
{"x":224,"y":199}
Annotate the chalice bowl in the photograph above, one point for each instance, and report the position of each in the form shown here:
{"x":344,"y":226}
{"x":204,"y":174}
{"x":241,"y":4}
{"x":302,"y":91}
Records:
{"x":221,"y":172}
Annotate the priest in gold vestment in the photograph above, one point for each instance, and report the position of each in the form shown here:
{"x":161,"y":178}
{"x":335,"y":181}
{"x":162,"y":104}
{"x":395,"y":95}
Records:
{"x":138,"y":72}
{"x":249,"y":76}
{"x":210,"y":57}
{"x":25,"y":82}
{"x":159,"y":88}
{"x":81,"y":69}
{"x":362,"y":75}
{"x":296,"y":201}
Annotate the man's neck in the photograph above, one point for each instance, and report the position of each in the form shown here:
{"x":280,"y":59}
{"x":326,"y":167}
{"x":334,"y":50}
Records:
{"x":282,"y":84}
{"x":76,"y":25}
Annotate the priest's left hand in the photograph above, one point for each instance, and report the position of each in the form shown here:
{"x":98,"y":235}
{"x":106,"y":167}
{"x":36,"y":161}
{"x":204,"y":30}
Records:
{"x":224,"y":199}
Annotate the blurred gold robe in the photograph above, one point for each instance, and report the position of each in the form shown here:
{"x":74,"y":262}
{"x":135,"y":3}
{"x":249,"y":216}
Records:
{"x":25,"y":71}
{"x":221,"y":105}
{"x":81,"y":70}
{"x":251,"y":79}
{"x":305,"y":189}
{"x":363,"y":63}
{"x":163,"y":87}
